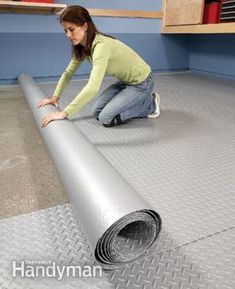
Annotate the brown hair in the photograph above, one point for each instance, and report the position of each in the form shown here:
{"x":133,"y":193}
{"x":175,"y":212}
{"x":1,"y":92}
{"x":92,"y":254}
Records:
{"x":79,"y":16}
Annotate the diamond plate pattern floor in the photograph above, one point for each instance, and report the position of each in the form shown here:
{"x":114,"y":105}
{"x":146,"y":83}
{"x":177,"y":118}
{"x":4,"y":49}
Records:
{"x":182,"y":163}
{"x":56,"y":235}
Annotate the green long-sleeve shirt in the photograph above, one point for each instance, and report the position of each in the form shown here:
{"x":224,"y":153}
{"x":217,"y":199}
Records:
{"x":109,"y":57}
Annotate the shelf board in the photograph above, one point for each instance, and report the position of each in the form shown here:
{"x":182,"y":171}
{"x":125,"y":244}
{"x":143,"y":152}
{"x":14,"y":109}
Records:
{"x":30,"y":7}
{"x":200,"y":28}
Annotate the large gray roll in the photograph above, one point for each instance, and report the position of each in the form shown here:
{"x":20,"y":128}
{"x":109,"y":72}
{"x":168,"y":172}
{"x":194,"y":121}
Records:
{"x":119,"y":224}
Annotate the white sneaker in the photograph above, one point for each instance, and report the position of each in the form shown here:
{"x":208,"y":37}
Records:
{"x":156,"y":112}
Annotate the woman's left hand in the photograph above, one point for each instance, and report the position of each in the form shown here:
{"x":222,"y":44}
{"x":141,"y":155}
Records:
{"x":53,"y":116}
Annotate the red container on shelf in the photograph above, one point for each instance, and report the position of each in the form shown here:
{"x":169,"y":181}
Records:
{"x":211,"y":13}
{"x":39,"y":1}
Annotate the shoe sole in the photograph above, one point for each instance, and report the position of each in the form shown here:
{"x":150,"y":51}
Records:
{"x":155,"y":114}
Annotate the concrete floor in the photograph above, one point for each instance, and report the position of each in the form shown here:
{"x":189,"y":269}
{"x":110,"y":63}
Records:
{"x":28,"y":179}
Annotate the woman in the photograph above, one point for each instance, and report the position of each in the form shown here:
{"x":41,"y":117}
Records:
{"x":130,"y":97}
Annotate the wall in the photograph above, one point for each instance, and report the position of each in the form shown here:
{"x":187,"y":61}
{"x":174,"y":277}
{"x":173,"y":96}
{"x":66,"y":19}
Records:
{"x":36,"y":43}
{"x":213,"y":54}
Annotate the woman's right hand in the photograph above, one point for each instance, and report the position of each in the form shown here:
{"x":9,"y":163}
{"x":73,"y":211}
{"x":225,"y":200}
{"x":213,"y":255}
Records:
{"x":53,"y":100}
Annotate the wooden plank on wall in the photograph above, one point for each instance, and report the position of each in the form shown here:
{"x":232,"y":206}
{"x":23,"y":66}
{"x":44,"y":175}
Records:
{"x":182,"y":12}
{"x":125,"y":13}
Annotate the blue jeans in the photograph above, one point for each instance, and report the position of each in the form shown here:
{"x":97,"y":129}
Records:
{"x":129,"y":101}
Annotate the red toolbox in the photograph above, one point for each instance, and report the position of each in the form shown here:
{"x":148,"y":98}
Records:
{"x":39,"y":1}
{"x":212,"y":12}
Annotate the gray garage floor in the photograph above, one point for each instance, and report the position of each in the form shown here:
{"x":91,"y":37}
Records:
{"x":29,"y":181}
{"x":183,"y":163}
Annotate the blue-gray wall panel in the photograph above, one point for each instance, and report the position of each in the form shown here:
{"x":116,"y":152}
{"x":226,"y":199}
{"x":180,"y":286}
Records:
{"x":49,"y":23}
{"x":147,"y":5}
{"x":11,"y":23}
{"x":46,"y":55}
{"x":37,"y":45}
{"x":213,"y":54}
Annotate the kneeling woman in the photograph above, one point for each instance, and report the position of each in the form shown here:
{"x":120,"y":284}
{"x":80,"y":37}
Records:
{"x":130,"y":97}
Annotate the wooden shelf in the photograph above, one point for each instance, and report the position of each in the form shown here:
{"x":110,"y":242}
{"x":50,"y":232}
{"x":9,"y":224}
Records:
{"x":30,"y":7}
{"x":200,"y":28}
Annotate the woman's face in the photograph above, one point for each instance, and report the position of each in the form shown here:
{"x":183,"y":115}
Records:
{"x":76,"y":34}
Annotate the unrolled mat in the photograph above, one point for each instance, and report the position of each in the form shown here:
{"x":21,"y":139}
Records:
{"x":119,"y":224}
